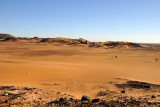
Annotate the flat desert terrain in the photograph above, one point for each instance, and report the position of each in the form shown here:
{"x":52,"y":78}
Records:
{"x":80,"y":70}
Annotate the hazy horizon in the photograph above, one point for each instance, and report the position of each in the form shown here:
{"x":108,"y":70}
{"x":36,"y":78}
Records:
{"x":94,"y":20}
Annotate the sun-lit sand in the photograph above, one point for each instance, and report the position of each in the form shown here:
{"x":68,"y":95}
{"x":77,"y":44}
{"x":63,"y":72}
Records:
{"x":75,"y":70}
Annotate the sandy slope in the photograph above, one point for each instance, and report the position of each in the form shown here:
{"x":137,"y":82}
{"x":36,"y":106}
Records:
{"x":74,"y":70}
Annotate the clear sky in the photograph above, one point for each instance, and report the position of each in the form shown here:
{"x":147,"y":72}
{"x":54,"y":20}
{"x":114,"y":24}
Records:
{"x":95,"y":20}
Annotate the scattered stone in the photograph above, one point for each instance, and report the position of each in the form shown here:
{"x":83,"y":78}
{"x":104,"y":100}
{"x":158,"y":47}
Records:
{"x":49,"y":98}
{"x":85,"y":98}
{"x":6,"y":101}
{"x":63,"y":99}
{"x":6,"y":94}
{"x":58,"y":92}
{"x":153,"y":96}
{"x":123,"y":91}
{"x":96,"y":100}
{"x":71,"y":99}
{"x":101,"y":93}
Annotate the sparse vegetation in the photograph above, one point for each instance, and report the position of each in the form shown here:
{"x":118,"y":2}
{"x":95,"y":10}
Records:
{"x":156,"y":59}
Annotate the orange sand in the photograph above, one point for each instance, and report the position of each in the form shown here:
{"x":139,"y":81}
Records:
{"x":74,"y":70}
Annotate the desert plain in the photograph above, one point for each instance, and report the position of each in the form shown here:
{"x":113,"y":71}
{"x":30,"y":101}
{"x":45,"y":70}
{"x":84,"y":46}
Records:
{"x":80,"y":70}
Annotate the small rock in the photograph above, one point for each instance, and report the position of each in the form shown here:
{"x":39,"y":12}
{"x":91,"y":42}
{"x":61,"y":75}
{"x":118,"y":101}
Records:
{"x":101,"y":93}
{"x":62,"y":99}
{"x":123,"y":91}
{"x":85,"y":98}
{"x":6,"y":101}
{"x":71,"y":99}
{"x":23,"y":98}
{"x":58,"y":92}
{"x":96,"y":100}
{"x":153,"y":96}
{"x":6,"y":94}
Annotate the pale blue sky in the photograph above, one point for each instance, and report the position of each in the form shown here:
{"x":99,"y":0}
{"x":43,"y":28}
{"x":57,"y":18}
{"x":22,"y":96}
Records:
{"x":95,"y":20}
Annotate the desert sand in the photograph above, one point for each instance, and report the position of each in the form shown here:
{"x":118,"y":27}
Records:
{"x":78,"y":69}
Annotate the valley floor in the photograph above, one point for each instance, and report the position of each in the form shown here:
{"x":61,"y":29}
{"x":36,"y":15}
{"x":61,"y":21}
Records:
{"x":79,"y":70}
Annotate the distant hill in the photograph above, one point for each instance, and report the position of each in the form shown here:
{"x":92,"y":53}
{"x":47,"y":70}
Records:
{"x":11,"y":39}
{"x":4,"y":36}
{"x":110,"y":44}
{"x":73,"y":42}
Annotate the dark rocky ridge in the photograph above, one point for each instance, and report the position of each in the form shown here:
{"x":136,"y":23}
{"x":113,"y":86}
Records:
{"x":138,"y":85}
{"x":4,"y":36}
{"x":74,"y":42}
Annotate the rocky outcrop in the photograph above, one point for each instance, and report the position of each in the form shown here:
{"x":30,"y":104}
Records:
{"x":4,"y":36}
{"x":31,"y":97}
